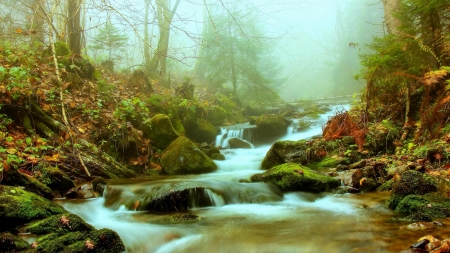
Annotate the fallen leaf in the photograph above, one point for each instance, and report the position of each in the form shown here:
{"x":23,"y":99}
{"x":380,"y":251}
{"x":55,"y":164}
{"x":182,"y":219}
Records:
{"x":81,"y":130}
{"x":11,"y":151}
{"x":89,"y":244}
{"x":6,"y":166}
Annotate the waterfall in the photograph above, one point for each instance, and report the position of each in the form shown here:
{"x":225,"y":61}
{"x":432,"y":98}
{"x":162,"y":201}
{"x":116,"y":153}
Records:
{"x":241,"y":131}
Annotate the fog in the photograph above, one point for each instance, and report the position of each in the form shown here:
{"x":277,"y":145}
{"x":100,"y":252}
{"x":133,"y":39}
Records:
{"x":308,"y":49}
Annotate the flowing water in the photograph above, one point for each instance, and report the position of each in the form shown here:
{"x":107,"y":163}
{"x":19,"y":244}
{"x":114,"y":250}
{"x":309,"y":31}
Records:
{"x":249,"y":217}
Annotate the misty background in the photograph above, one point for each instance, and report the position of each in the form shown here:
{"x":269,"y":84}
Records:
{"x":308,"y":48}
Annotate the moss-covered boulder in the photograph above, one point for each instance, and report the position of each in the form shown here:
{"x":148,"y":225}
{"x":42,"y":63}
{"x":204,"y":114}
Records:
{"x":182,"y":156}
{"x":238,"y":143}
{"x":69,"y":233}
{"x":286,"y":152}
{"x":202,"y":131}
{"x":295,"y":177}
{"x":140,"y":81}
{"x":55,"y":178}
{"x":270,"y":127}
{"x":218,"y":156}
{"x":216,"y":115}
{"x":429,"y":205}
{"x":331,"y":162}
{"x":18,"y":207}
{"x":160,"y":131}
{"x":10,"y":243}
{"x":16,"y":178}
{"x":410,"y":182}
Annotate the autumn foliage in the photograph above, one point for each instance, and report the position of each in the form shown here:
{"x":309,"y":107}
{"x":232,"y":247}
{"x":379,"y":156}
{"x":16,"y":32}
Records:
{"x":342,"y":124}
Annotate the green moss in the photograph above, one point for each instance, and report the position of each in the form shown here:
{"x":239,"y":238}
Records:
{"x":61,"y":48}
{"x":58,"y":224}
{"x":160,"y":131}
{"x":386,"y":186}
{"x":16,"y":178}
{"x":55,"y":243}
{"x":18,"y":207}
{"x":295,"y":177}
{"x":55,"y":178}
{"x":330,"y":162}
{"x":431,"y":205}
{"x":218,"y":156}
{"x":202,"y":131}
{"x":280,"y":150}
{"x":10,"y":243}
{"x":414,"y":182}
{"x":216,"y":115}
{"x":182,"y":156}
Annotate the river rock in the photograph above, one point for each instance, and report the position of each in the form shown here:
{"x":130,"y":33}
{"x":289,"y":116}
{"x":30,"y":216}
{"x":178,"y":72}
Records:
{"x":238,"y":143}
{"x":285,"y":152}
{"x":202,"y":131}
{"x":429,"y":205}
{"x":410,"y":182}
{"x":69,"y":233}
{"x":16,"y":178}
{"x":270,"y":127}
{"x":160,"y":131}
{"x":83,"y":191}
{"x":12,"y":243}
{"x":182,"y":156}
{"x":295,"y":177}
{"x":18,"y":207}
{"x":216,"y":115}
{"x":54,"y":178}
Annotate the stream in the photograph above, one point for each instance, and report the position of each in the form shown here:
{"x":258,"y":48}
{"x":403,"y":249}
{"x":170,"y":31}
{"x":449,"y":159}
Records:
{"x":250,"y":217}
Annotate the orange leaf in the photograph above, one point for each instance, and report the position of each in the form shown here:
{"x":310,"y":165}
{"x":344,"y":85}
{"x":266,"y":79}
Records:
{"x":53,"y":158}
{"x":19,"y":30}
{"x":6,"y":166}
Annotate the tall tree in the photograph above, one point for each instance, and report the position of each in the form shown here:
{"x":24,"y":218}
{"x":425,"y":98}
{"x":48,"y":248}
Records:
{"x":391,"y":7}
{"x":165,"y":16}
{"x":74,"y":26}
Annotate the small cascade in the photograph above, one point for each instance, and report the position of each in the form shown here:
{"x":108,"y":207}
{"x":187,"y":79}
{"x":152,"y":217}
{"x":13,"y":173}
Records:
{"x":292,"y":128}
{"x":241,"y":131}
{"x":202,"y":197}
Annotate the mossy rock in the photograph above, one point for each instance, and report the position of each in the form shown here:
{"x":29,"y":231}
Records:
{"x":18,"y":207}
{"x":55,"y":178}
{"x":16,"y":178}
{"x":202,"y":131}
{"x":270,"y":127}
{"x":61,"y":49}
{"x":99,"y":241}
{"x":160,"y":131}
{"x":386,"y":186}
{"x":286,"y":151}
{"x":411,"y":182}
{"x":431,"y":205}
{"x":218,"y":156}
{"x":140,"y":81}
{"x":295,"y":177}
{"x":59,"y":224}
{"x":216,"y":115}
{"x":330,"y":162}
{"x":368,"y":185}
{"x":182,"y":156}
{"x":238,"y":143}
{"x":10,"y":243}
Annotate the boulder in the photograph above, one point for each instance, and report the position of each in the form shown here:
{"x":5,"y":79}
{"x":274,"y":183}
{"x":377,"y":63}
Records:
{"x":286,"y":152}
{"x":216,"y":115}
{"x":202,"y":131}
{"x":270,"y":127}
{"x":182,"y":156}
{"x":16,"y":178}
{"x":238,"y":143}
{"x":139,"y":80}
{"x":429,"y":205}
{"x":69,"y":233}
{"x":55,"y":178}
{"x":160,"y":131}
{"x":295,"y":177}
{"x":18,"y":207}
{"x":83,"y":191}
{"x":10,"y":243}
{"x":410,"y":182}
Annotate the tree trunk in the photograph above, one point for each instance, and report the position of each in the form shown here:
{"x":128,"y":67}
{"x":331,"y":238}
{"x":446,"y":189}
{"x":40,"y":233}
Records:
{"x":200,"y":64}
{"x":74,"y":26}
{"x":38,"y":21}
{"x":392,"y":22}
{"x":233,"y":65}
{"x":147,"y":56}
{"x":164,"y":20}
